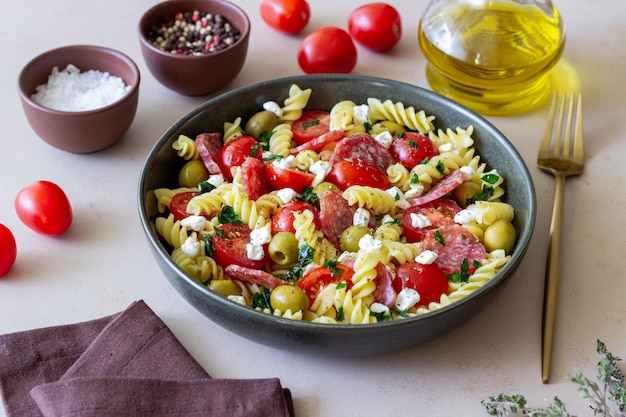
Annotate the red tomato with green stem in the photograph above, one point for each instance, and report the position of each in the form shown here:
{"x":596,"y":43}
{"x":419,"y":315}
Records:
{"x":286,"y":16}
{"x":8,"y":250}
{"x":412,"y":148}
{"x":319,"y":277}
{"x":235,"y":152}
{"x":327,"y":50}
{"x":348,"y":172}
{"x":428,"y":280}
{"x":230,"y":242}
{"x":376,"y":26}
{"x":44,"y":207}
{"x":282,"y":221}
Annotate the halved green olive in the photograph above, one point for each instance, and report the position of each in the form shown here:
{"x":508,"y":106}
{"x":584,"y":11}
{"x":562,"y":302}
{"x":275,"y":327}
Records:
{"x":283,"y":248}
{"x":224,"y":287}
{"x":263,"y":121}
{"x":192,"y":173}
{"x":289,"y":297}
{"x":349,"y":240}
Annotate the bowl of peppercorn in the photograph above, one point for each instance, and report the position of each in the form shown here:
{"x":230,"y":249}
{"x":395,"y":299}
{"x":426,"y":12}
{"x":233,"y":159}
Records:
{"x":194,"y":47}
{"x":80,"y":98}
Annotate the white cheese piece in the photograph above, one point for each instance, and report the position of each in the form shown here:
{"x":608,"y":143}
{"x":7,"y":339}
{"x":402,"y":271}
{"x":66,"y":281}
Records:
{"x":406,"y":298}
{"x":254,"y":252}
{"x":427,"y":257}
{"x":321,"y":169}
{"x":468,"y":172}
{"x":387,"y":219}
{"x":398,"y":197}
{"x":467,"y":215}
{"x":273,"y":107}
{"x":380,"y":308}
{"x":384,"y":138}
{"x":196,"y":223}
{"x":216,"y":180}
{"x":446,"y":147}
{"x":361,"y":113}
{"x":419,"y":221}
{"x":262,"y":235}
{"x":285,"y":163}
{"x":361,"y":217}
{"x":239,"y":299}
{"x":287,"y":195}
{"x":369,"y":244}
{"x":414,"y":191}
{"x":191,"y":247}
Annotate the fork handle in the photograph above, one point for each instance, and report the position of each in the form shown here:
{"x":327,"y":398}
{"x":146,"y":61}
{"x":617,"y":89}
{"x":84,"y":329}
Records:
{"x":553,"y":267}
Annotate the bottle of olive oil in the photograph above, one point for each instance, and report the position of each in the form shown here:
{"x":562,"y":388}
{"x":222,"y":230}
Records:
{"x":494,"y":56}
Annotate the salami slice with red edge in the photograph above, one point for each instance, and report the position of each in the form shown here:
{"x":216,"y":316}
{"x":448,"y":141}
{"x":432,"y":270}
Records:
{"x":319,"y":142}
{"x":384,"y":293}
{"x":453,"y":244}
{"x":441,"y":189}
{"x":253,"y":276}
{"x":254,"y":178}
{"x":208,"y":146}
{"x":363,"y":147}
{"x":336,"y":215}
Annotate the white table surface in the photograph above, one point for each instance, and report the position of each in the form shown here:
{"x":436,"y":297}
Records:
{"x":102,"y":264}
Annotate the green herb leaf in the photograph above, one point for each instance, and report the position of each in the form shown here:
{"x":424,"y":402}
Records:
{"x":439,"y":238}
{"x":413,"y":144}
{"x":309,"y":196}
{"x":228,"y":215}
{"x":205,"y":187}
{"x":305,"y":257}
{"x":261,"y":299}
{"x":441,"y":167}
{"x":463,"y":274}
{"x":310,"y":124}
{"x":484,"y":195}
{"x":340,"y":316}
{"x":272,"y":157}
{"x":490,"y":178}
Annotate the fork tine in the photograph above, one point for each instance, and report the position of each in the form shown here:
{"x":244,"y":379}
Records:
{"x":579,"y":146}
{"x":568,"y":125}
{"x":546,"y":142}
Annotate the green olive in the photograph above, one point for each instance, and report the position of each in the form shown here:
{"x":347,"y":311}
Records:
{"x":465,"y":192}
{"x":289,"y":297}
{"x":500,"y":235}
{"x":192,"y":173}
{"x":324,"y":186}
{"x":283,"y":248}
{"x":349,"y":240}
{"x":263,"y":121}
{"x":224,"y":287}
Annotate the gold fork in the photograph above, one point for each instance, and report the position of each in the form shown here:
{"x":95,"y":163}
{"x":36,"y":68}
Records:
{"x":561,"y":154}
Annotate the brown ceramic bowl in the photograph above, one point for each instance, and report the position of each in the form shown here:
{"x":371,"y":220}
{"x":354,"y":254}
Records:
{"x":80,"y":131}
{"x":195,"y":75}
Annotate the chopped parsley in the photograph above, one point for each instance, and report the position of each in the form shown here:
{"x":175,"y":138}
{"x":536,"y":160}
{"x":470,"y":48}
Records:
{"x":335,"y":271}
{"x":310,"y":124}
{"x":209,"y":249}
{"x":441,"y":167}
{"x":309,"y":196}
{"x":340,"y":317}
{"x":272,"y":157}
{"x":490,"y":178}
{"x":484,"y":195}
{"x":413,"y":144}
{"x":228,"y":215}
{"x":305,"y":257}
{"x":439,"y":238}
{"x":261,"y":299}
{"x":205,"y":187}
{"x":414,"y":179}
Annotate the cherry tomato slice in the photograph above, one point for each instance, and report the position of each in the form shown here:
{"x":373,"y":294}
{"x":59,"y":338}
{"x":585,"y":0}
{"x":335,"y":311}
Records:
{"x":178,"y":204}
{"x":376,"y":26}
{"x":230,"y":247}
{"x":428,"y":280}
{"x":309,"y":125}
{"x":327,"y":50}
{"x":326,"y":140}
{"x":8,"y":250}
{"x":317,"y":278}
{"x":235,"y":152}
{"x":295,"y":179}
{"x":348,"y":172}
{"x":412,"y":148}
{"x":44,"y":207}
{"x":287,"y":16}
{"x":283,"y":219}
{"x":438,"y":212}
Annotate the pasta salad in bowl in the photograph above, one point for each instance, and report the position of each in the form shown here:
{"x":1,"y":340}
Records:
{"x":336,"y":212}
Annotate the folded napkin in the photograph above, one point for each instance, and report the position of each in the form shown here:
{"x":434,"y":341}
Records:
{"x":128,"y":364}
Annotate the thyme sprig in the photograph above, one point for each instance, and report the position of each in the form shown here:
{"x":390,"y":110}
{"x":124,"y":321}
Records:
{"x":607,"y":395}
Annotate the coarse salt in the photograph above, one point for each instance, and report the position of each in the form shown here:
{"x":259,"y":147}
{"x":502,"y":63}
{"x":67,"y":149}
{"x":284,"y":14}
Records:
{"x":73,"y":90}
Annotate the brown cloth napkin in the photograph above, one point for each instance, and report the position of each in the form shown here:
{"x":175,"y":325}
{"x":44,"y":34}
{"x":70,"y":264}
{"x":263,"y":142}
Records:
{"x":128,"y":364}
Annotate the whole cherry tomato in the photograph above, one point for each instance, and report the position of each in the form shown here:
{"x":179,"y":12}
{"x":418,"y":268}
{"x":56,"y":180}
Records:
{"x":287,"y":16}
{"x":44,"y":207}
{"x":8,"y":250}
{"x":327,"y":50}
{"x":348,"y":172}
{"x":411,"y":148}
{"x":376,"y":26}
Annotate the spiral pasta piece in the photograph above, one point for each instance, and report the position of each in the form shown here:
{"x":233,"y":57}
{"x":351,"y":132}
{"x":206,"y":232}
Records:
{"x":164,"y":196}
{"x":185,"y":147}
{"x":375,"y":199}
{"x":405,"y":116}
{"x":294,"y":103}
{"x":399,"y":176}
{"x":280,"y":140}
{"x":489,"y":211}
{"x":399,"y":253}
{"x":245,"y":208}
{"x":233,"y":130}
{"x":171,"y":230}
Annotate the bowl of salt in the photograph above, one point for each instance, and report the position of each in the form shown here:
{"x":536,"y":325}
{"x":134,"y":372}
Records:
{"x":80,"y":98}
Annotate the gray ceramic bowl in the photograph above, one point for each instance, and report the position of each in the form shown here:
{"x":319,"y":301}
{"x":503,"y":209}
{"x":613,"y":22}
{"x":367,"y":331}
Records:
{"x":161,"y":170}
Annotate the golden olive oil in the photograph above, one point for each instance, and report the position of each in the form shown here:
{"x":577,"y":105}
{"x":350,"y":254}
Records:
{"x":493,"y":56}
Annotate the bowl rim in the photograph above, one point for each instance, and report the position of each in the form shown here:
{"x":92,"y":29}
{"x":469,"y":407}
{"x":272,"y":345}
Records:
{"x":503,"y":275}
{"x":245,"y":32}
{"x":105,"y":50}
